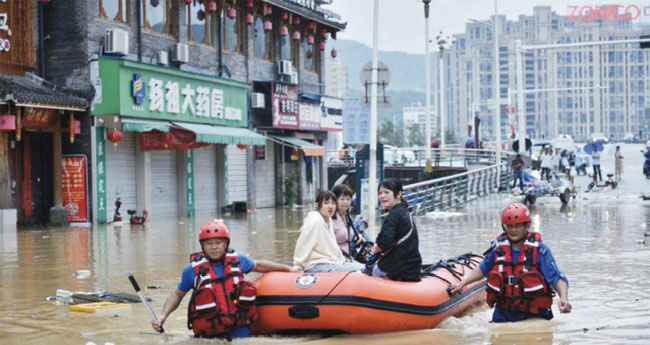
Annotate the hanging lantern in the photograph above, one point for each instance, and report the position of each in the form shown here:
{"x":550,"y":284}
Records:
{"x":115,"y":136}
{"x":189,"y":2}
{"x":249,"y":4}
{"x":284,"y":15}
{"x":321,"y":46}
{"x":296,"y":20}
{"x":268,"y":10}
{"x":212,"y":6}
{"x":250,"y":19}
{"x":323,"y":32}
{"x":310,"y":25}
{"x":7,"y":122}
{"x":268,"y":25}
{"x":310,"y":39}
{"x":296,"y":35}
{"x":167,"y":139}
{"x":334,"y":53}
{"x":284,"y":30}
{"x":232,"y":12}
{"x":242,"y":146}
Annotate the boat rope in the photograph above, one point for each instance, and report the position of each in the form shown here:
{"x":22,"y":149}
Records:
{"x":466,"y":260}
{"x":337,"y":284}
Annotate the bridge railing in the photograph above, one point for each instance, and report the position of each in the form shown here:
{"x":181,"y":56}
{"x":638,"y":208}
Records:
{"x":416,"y":157}
{"x":452,"y":191}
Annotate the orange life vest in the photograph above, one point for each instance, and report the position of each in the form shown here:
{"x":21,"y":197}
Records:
{"x":518,"y":286}
{"x":218,"y":305}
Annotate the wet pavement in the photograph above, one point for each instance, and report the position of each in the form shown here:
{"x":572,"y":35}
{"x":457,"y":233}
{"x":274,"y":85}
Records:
{"x":595,"y":240}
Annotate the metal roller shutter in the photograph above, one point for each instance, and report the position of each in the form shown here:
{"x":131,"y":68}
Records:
{"x":237,"y":174}
{"x":205,"y":180}
{"x":164,"y":184}
{"x":121,"y":175}
{"x":265,"y":178}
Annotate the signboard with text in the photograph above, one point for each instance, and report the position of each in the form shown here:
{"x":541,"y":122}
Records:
{"x":285,"y":106}
{"x":146,"y":91}
{"x":356,"y":123}
{"x":332,"y":110}
{"x":309,"y":116}
{"x":75,"y":187}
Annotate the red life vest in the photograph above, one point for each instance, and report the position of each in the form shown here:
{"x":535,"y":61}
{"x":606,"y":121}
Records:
{"x":218,"y":305}
{"x":518,"y":286}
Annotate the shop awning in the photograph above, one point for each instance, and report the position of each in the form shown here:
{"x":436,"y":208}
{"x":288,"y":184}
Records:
{"x":308,"y":148}
{"x":134,"y":125}
{"x":223,"y":135}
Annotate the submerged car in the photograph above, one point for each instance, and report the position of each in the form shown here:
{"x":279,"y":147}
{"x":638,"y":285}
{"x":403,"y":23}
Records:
{"x":598,"y":137}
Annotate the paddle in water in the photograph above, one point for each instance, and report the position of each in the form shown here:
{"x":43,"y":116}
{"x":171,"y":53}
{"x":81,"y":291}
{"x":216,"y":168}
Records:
{"x":146,"y":305}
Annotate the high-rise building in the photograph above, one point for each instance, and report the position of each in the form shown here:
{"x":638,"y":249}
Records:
{"x":416,"y":114}
{"x":602,"y":88}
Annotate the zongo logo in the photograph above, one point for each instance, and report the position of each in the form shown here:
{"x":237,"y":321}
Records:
{"x":607,"y":12}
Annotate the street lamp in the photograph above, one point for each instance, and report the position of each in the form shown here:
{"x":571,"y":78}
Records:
{"x":427,"y":82}
{"x":443,"y":43}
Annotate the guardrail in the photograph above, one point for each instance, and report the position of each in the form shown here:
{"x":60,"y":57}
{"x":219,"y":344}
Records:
{"x":452,"y":191}
{"x":416,"y":157}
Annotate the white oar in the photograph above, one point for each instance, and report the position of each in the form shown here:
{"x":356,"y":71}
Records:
{"x":146,"y":305}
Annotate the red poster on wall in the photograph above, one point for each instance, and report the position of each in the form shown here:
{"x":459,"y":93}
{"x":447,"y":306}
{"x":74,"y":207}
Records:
{"x":74,"y":178}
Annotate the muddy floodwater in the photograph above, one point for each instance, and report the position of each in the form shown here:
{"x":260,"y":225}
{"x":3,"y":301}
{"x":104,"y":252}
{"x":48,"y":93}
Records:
{"x":597,"y":240}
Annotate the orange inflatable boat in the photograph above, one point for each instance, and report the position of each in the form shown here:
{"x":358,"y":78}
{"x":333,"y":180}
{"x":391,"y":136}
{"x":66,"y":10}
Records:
{"x":353,"y":302}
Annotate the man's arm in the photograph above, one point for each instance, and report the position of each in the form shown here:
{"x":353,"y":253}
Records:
{"x":473,"y":276}
{"x":263,"y":266}
{"x":562,"y":289}
{"x":171,"y":303}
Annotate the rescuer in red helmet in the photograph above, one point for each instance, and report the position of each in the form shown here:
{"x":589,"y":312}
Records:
{"x":521,"y":272}
{"x":222,"y":303}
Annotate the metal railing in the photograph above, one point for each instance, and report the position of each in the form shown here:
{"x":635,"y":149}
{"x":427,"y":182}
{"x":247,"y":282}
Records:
{"x":452,"y":191}
{"x":416,"y":157}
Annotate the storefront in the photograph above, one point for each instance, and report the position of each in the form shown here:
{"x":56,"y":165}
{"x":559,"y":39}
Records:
{"x":179,"y":139}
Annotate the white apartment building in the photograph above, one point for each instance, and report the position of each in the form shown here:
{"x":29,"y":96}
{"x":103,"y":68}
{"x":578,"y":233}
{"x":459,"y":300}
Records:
{"x":335,"y":80}
{"x":611,"y":82}
{"x":416,"y":114}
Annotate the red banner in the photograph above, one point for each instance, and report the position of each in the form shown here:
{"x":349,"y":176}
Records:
{"x":74,"y":186}
{"x":176,"y":139}
{"x":39,"y":117}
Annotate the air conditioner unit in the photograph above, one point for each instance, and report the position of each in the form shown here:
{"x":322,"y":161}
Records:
{"x":284,"y":68}
{"x":257,"y":100}
{"x":116,"y":41}
{"x":180,"y":52}
{"x":294,"y":78}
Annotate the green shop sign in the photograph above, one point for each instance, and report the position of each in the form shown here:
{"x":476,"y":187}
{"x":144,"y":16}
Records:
{"x":145,"y":91}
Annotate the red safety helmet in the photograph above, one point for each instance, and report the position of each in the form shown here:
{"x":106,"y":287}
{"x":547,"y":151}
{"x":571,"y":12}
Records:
{"x":214,"y":229}
{"x":515,"y":214}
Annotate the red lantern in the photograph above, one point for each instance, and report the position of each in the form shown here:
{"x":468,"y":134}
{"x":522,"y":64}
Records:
{"x":269,"y":10}
{"x":232,"y":13}
{"x":334,"y":53}
{"x":115,"y":136}
{"x":284,"y":15}
{"x":284,"y":30}
{"x":212,"y":6}
{"x":167,"y":139}
{"x":242,"y":146}
{"x":296,"y":20}
{"x":296,"y":35}
{"x":321,"y":46}
{"x":310,"y":26}
{"x":268,"y":25}
{"x":323,"y":32}
{"x":249,"y":19}
{"x":188,"y":2}
{"x":249,"y":3}
{"x":310,"y":39}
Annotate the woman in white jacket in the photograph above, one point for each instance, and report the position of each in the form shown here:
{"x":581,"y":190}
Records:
{"x":316,"y":249}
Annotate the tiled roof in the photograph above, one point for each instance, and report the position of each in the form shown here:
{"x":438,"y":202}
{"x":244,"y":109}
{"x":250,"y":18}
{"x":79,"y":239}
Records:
{"x":33,"y":91}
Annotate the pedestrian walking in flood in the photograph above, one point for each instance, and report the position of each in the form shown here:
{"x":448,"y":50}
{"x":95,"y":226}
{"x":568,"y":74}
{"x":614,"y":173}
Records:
{"x":618,"y":163}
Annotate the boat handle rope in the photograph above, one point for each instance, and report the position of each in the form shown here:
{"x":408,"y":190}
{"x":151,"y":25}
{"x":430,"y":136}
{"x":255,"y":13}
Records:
{"x":335,"y":286}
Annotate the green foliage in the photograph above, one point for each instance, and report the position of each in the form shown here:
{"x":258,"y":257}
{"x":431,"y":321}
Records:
{"x":415,"y":136}
{"x":391,"y":135}
{"x":290,"y":183}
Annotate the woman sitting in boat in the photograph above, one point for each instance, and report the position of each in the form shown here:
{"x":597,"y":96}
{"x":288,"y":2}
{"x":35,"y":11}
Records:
{"x":344,"y":230}
{"x":398,"y":239}
{"x":316,"y":249}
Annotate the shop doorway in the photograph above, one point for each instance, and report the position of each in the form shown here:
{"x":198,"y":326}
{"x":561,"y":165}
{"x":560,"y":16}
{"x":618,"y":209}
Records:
{"x":36,"y":177}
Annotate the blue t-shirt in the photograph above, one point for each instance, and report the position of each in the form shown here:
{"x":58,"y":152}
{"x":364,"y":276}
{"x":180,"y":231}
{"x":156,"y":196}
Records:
{"x":545,"y":264}
{"x":187,"y":281}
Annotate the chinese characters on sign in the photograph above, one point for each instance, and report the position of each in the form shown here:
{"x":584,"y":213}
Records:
{"x":356,"y":128}
{"x":285,"y":106}
{"x":5,"y":44}
{"x":75,"y":201}
{"x":310,"y":116}
{"x":100,"y":159}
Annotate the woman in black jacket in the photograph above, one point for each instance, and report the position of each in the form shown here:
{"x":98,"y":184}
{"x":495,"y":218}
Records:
{"x":398,"y":238}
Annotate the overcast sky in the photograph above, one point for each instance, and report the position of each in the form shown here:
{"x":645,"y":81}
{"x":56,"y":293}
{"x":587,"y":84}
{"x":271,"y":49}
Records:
{"x":401,"y":25}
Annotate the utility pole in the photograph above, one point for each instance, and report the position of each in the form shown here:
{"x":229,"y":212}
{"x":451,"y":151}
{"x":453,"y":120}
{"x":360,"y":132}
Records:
{"x":427,"y":82}
{"x":372,"y":173}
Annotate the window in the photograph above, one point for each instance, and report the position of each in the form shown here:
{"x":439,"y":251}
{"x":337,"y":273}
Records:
{"x":263,"y":41}
{"x":156,"y":16}
{"x":201,"y":23}
{"x":233,"y":31}
{"x":115,"y":10}
{"x":311,"y":56}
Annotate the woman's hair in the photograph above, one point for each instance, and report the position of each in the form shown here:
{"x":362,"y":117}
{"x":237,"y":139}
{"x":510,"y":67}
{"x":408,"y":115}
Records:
{"x":394,"y":186}
{"x":342,"y":190}
{"x":323,"y":196}
{"x":618,"y":147}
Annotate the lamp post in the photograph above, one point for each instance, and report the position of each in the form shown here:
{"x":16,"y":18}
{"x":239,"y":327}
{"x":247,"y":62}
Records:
{"x":372,"y":171}
{"x":442,"y":44}
{"x":427,"y":82}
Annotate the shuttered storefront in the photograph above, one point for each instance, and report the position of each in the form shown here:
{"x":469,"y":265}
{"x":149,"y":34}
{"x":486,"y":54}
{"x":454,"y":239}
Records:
{"x":265,"y":177}
{"x":237,"y":174}
{"x":164,"y":184}
{"x":121,"y":176}
{"x":205,"y":180}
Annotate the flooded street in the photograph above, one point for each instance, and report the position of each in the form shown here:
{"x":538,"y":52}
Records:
{"x":594,"y":240}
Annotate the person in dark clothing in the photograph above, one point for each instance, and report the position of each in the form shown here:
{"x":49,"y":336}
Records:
{"x":398,"y":239}
{"x":517,"y":171}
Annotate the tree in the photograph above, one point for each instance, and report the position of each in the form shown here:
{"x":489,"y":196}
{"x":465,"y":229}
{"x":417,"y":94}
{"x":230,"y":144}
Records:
{"x":415,"y":136}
